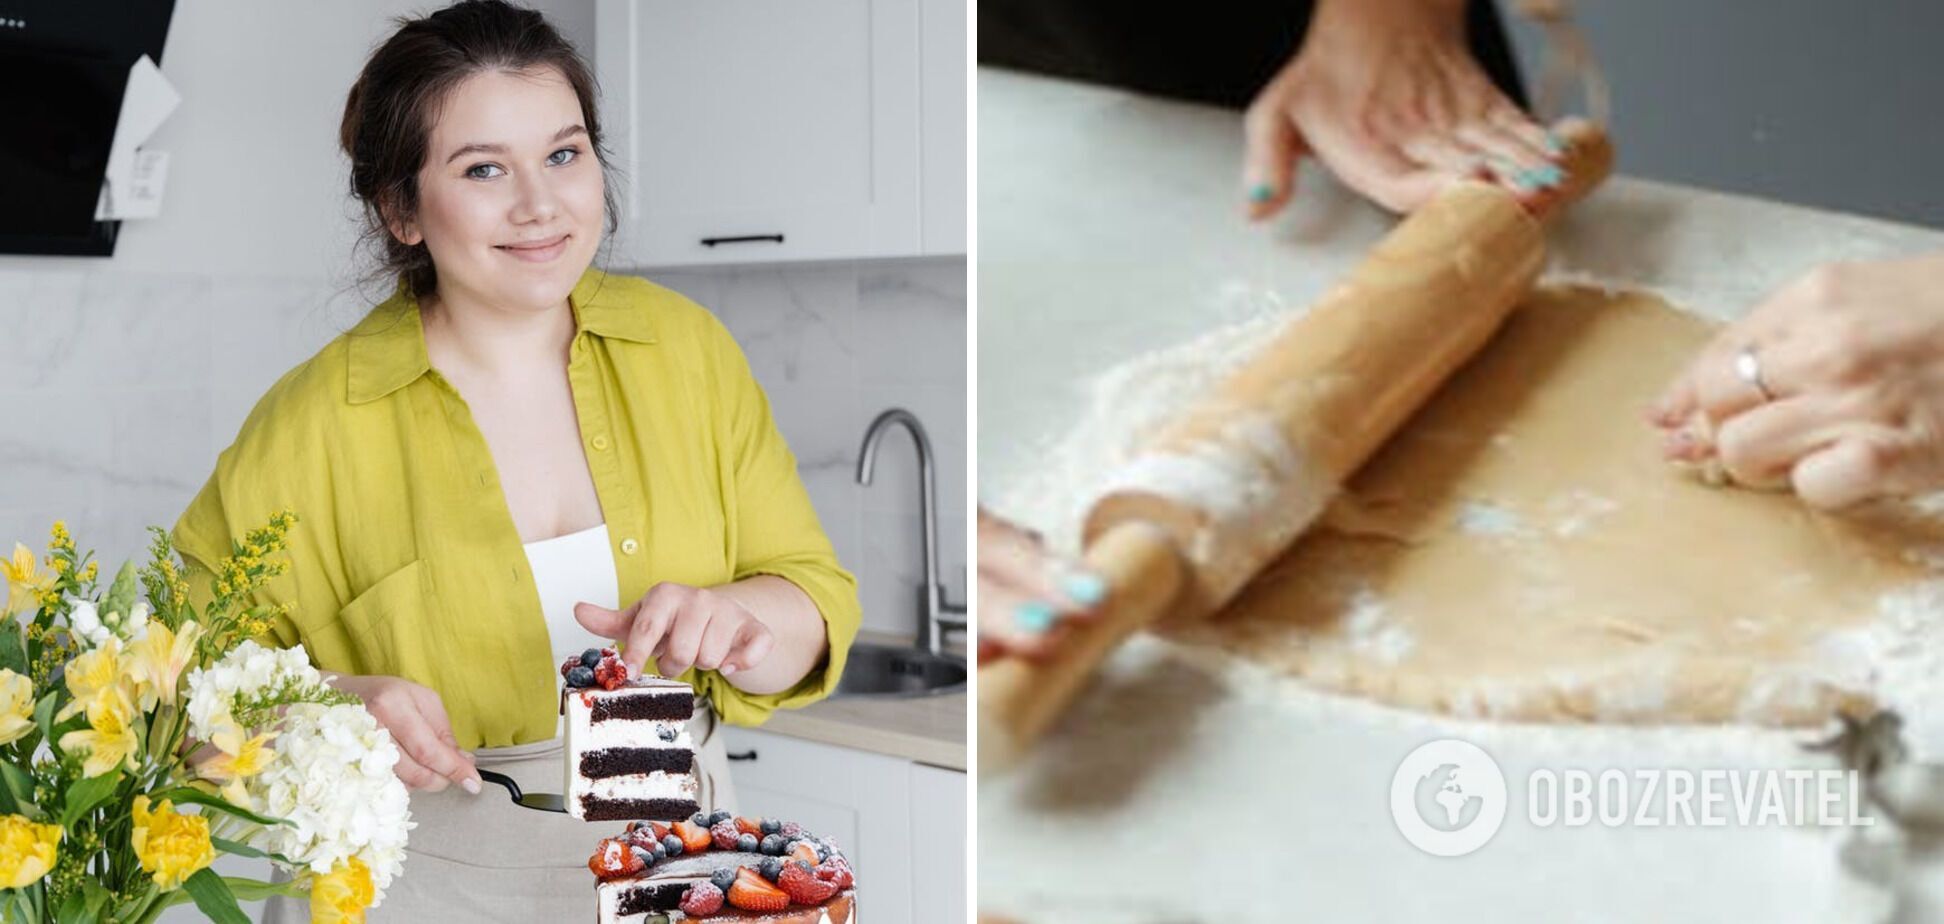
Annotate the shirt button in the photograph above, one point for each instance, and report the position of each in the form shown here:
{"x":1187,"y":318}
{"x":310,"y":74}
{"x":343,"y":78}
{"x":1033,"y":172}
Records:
{"x":628,"y":546}
{"x":600,"y":442}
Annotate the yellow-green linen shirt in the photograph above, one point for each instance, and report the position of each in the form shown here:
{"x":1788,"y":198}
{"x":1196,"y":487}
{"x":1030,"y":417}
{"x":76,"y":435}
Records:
{"x":405,"y":560}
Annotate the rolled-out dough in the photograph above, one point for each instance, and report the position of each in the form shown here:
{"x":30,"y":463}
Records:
{"x":1520,"y":550}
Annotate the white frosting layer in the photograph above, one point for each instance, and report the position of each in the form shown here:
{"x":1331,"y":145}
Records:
{"x":657,"y":785}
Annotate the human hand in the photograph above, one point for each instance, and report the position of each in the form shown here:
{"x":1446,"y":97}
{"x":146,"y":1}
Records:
{"x":1387,"y":94}
{"x":1025,"y":593}
{"x":428,"y":755}
{"x":1852,"y":358}
{"x":681,"y":627}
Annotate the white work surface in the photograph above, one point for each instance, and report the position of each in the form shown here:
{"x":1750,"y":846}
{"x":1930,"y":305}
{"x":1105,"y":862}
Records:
{"x":1185,"y":787}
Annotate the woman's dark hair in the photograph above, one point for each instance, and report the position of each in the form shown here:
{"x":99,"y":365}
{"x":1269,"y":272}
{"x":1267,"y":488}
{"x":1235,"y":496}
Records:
{"x":388,"y":116}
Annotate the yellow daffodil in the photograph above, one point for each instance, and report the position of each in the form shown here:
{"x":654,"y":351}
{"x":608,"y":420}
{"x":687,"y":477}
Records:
{"x":25,"y":582}
{"x":16,"y":705}
{"x":156,"y":662}
{"x":342,"y":895}
{"x":109,"y":740}
{"x":26,"y":851}
{"x":92,"y":675}
{"x":172,"y":846}
{"x":238,"y":761}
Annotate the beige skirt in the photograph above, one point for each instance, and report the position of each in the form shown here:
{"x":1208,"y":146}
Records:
{"x":482,"y":858}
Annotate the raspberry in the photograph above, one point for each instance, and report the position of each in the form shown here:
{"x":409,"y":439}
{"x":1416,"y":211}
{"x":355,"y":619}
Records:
{"x":701,"y":899}
{"x":802,"y":886}
{"x":751,"y":893}
{"x":836,"y":870}
{"x":614,"y":859}
{"x":611,"y":674}
{"x":792,"y":830}
{"x":569,"y":665}
{"x":725,"y":835}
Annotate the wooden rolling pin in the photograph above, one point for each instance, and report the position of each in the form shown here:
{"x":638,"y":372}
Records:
{"x":1223,"y":491}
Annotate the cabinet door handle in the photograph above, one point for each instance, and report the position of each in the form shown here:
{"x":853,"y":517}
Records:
{"x":742,"y":239}
{"x":746,"y":755}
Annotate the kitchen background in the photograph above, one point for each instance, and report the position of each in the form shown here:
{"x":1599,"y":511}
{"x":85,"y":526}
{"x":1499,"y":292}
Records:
{"x":122,"y":378}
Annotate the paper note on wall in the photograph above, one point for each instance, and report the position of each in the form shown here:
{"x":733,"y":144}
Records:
{"x":132,"y":187}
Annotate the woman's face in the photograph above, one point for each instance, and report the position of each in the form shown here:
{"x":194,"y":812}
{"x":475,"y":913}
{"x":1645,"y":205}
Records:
{"x":510,"y":196}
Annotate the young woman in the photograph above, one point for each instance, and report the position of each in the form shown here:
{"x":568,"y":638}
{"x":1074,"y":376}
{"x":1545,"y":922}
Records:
{"x":516,"y":457}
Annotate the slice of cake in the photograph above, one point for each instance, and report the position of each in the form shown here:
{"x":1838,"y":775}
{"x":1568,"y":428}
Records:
{"x":717,"y":869}
{"x":629,"y":754}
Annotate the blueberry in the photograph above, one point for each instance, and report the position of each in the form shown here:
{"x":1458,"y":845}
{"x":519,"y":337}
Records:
{"x":772,"y":826}
{"x":771,"y":868}
{"x":699,"y":819}
{"x":580,"y":676}
{"x":590,"y":658}
{"x":647,"y":856}
{"x":774,"y":845}
{"x":746,"y":843}
{"x":668,"y":733}
{"x":661,"y":852}
{"x":723,"y":878}
{"x":719,"y":816}
{"x":673,"y":844}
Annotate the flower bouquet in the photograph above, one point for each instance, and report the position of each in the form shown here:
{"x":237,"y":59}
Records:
{"x":141,"y":737}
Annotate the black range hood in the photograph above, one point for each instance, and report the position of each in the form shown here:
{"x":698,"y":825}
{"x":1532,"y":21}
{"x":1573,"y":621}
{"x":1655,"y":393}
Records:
{"x":63,"y":66}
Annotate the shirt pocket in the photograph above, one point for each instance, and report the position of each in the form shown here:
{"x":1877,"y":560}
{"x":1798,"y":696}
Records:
{"x":379,"y":629}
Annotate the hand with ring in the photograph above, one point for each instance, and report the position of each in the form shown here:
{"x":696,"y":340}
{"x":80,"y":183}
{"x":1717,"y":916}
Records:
{"x":1834,"y":386}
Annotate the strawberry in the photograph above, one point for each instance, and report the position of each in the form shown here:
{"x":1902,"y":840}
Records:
{"x":702,"y":898}
{"x":751,"y":892}
{"x":749,"y":826}
{"x":803,"y":886}
{"x":614,"y":859}
{"x":805,"y":851}
{"x":695,"y":838}
{"x":836,"y":870}
{"x":725,"y":835}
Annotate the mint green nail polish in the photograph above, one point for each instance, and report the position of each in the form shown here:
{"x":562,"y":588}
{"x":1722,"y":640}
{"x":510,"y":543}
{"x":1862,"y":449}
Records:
{"x":1549,"y":175}
{"x":1261,"y":192}
{"x":1554,"y":145}
{"x":1522,"y":180}
{"x":1084,"y":588}
{"x":1034,"y":617}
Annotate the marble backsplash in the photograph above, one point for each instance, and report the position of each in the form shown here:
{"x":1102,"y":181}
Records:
{"x":119,"y":388}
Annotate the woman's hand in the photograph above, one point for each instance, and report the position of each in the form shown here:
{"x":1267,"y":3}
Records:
{"x":1387,"y":94}
{"x":762,"y":631}
{"x":429,"y":756}
{"x":1852,"y":358}
{"x":1025,"y":593}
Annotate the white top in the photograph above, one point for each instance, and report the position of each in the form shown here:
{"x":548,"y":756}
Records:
{"x":571,"y":569}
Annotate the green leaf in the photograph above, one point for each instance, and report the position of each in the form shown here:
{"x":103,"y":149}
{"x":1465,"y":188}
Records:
{"x":86,"y":794}
{"x":72,"y":910}
{"x":213,"y":897}
{"x":256,"y":890}
{"x":44,"y":714}
{"x":121,"y":594}
{"x":241,"y":849}
{"x":13,"y":648}
{"x":184,"y":794}
{"x":20,"y":790}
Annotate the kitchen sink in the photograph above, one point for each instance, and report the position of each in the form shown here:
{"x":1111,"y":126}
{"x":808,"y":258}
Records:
{"x":894,"y":671}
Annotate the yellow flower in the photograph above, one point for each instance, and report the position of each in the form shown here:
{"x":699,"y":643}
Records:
{"x":158,"y":660}
{"x":239,"y":760}
{"x":16,"y":705}
{"x":24,"y":580}
{"x":342,"y":895}
{"x":109,"y":740}
{"x":26,"y":851}
{"x":171,"y":845}
{"x":92,"y":675}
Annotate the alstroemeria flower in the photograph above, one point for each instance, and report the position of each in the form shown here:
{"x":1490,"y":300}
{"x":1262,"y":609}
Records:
{"x":92,"y":675}
{"x":16,"y":705}
{"x":238,"y":761}
{"x":156,"y":662}
{"x":109,"y":739}
{"x":25,"y":582}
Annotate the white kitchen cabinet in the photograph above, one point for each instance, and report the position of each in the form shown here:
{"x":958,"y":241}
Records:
{"x":902,"y":824}
{"x":942,"y":137}
{"x":776,"y":130}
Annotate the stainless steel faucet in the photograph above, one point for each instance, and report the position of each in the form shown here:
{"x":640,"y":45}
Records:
{"x":936,"y":614}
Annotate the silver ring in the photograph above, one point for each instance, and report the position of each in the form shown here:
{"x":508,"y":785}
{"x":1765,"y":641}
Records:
{"x":1748,"y":368}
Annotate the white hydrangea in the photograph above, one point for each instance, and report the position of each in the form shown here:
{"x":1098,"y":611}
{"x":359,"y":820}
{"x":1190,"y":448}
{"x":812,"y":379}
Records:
{"x":332,"y":780}
{"x":247,"y":669}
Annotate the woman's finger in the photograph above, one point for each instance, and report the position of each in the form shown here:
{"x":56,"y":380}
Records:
{"x":683,"y":640}
{"x":654,"y":614}
{"x":604,"y":622}
{"x":433,"y":711}
{"x":1015,"y":619}
{"x":1854,"y":469}
{"x":717,"y":639}
{"x":1762,"y":445}
{"x":1446,"y":153}
{"x":753,"y":643}
{"x":1271,"y":146}
{"x":414,"y":775}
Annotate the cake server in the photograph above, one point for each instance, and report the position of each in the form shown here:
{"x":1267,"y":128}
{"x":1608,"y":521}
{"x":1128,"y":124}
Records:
{"x":538,"y":801}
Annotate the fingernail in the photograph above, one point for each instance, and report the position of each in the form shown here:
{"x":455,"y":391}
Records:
{"x":1261,"y":192}
{"x":1519,"y":179}
{"x":726,"y":669}
{"x":1084,"y":587}
{"x":1034,"y":617}
{"x":1549,"y":175}
{"x":1555,"y":145}
{"x":471,"y":785}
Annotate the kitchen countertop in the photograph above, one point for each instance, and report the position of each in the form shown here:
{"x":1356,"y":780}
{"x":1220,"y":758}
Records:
{"x":926,"y":729}
{"x":1110,"y":227}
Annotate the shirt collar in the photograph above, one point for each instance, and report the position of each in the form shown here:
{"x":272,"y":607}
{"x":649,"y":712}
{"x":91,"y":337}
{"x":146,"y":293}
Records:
{"x":387,"y":348}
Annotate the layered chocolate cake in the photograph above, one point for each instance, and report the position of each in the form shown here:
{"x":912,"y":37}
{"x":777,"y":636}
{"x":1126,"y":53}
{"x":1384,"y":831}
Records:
{"x":720,"y":868}
{"x":629,"y":755}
